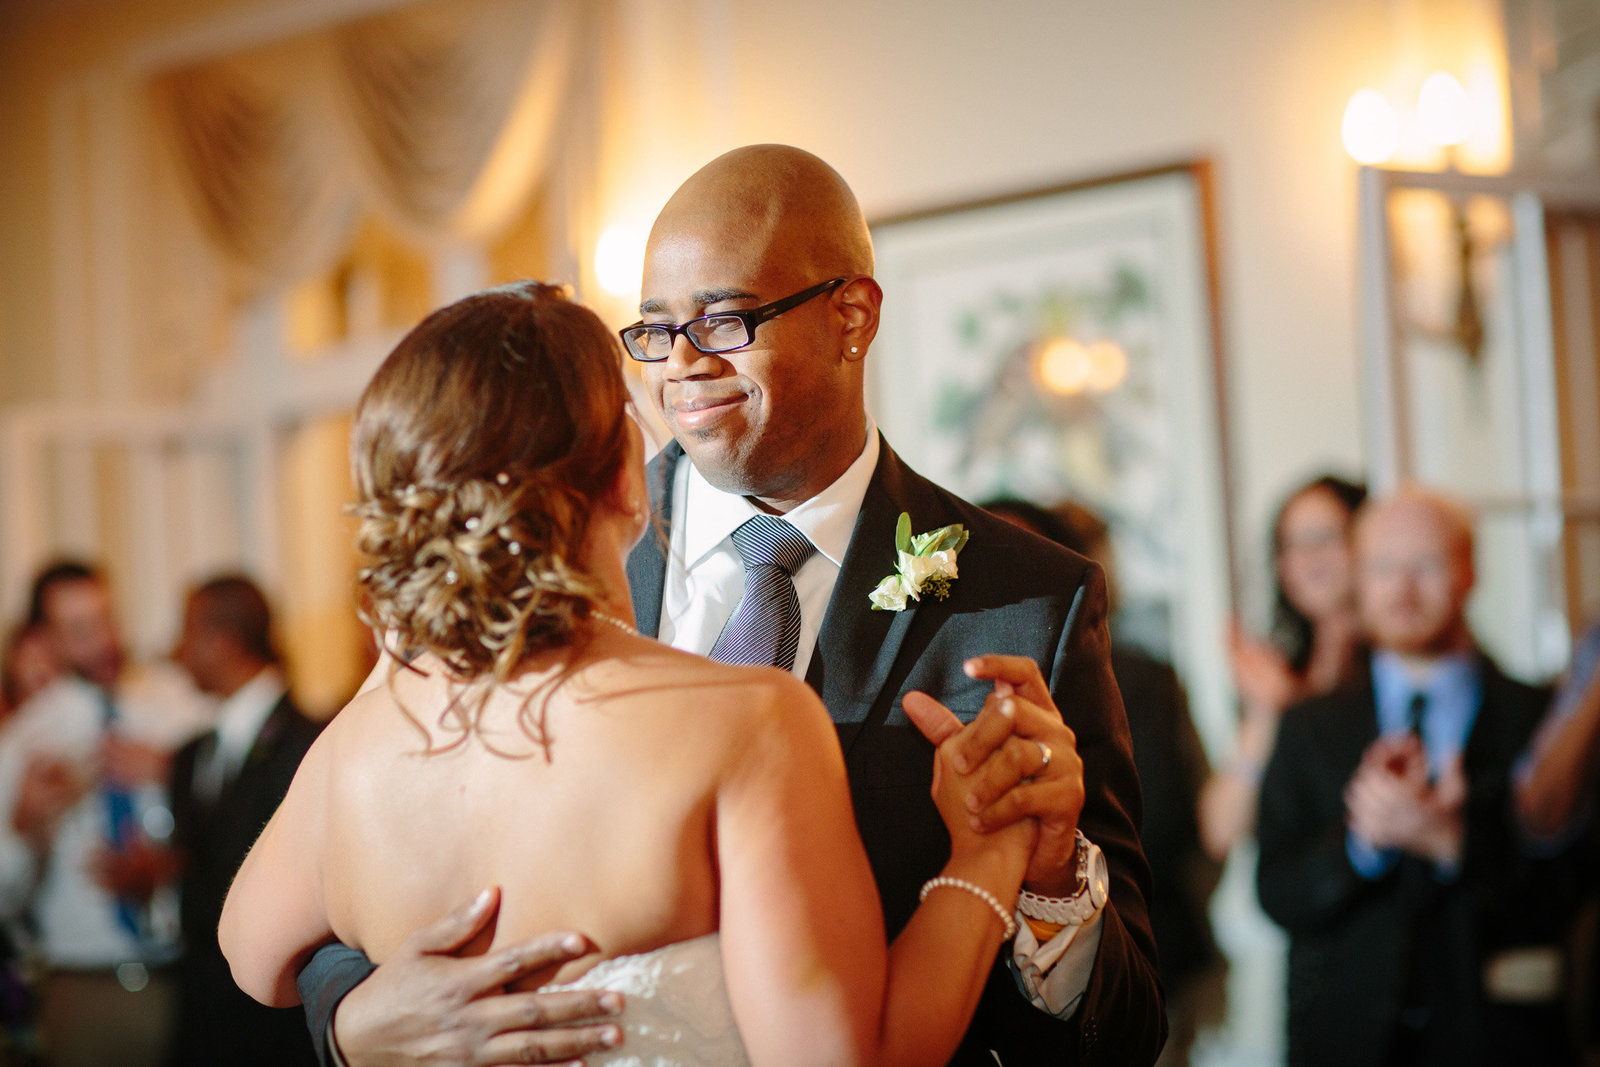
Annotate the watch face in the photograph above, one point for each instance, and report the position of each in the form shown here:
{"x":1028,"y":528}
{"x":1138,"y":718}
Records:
{"x":1099,"y":879}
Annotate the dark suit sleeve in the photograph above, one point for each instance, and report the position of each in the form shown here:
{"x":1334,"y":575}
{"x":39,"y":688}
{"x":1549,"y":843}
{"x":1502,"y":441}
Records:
{"x":1304,"y":875}
{"x":332,"y":972}
{"x":1122,"y":1018}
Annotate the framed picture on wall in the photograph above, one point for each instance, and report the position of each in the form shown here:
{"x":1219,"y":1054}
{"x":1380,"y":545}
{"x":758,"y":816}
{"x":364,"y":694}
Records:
{"x":1062,"y":345}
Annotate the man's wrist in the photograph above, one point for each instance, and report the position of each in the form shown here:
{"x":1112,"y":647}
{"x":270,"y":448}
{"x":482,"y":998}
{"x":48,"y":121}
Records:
{"x":1085,"y":896}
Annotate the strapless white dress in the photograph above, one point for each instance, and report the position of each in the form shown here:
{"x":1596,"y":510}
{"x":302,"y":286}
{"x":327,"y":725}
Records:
{"x":676,"y":1011}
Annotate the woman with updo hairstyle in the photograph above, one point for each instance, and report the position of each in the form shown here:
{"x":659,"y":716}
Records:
{"x":691,"y":819}
{"x":479,"y":452}
{"x":1314,"y":645}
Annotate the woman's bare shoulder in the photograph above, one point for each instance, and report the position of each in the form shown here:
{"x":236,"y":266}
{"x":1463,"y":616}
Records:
{"x":715,"y":688}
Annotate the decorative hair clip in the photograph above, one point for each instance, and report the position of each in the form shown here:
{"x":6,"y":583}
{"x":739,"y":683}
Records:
{"x":511,"y":545}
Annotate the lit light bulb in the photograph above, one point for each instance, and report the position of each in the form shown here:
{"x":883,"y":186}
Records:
{"x":1108,"y":366}
{"x":619,"y":260}
{"x":1063,"y":367}
{"x":1444,"y":111}
{"x":1370,"y":129}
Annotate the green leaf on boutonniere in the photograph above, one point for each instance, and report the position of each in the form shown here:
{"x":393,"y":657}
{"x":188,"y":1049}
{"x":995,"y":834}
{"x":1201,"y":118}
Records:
{"x":926,"y":564}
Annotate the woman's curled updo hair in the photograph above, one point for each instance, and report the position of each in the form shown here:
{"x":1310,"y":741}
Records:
{"x":479,"y":449}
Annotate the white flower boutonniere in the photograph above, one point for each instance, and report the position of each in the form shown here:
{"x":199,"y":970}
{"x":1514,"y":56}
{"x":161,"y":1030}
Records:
{"x":927,"y":564}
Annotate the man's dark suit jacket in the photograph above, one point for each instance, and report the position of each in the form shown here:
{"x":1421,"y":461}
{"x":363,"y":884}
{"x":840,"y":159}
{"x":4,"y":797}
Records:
{"x":218,"y":1022}
{"x":1353,"y":942}
{"x":1172,"y":767}
{"x":1019,"y":594}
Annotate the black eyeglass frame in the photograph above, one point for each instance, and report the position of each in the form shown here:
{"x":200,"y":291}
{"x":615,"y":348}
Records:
{"x":751,"y":317}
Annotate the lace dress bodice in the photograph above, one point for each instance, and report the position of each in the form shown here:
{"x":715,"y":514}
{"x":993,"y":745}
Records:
{"x":677,"y":1012}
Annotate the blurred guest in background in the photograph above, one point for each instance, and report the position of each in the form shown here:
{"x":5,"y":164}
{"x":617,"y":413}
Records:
{"x":83,"y":768}
{"x":1388,"y":851}
{"x":1555,"y":790}
{"x":1313,"y":646}
{"x":29,"y":664}
{"x":1172,"y":765}
{"x":1556,"y":785}
{"x":225,"y":786}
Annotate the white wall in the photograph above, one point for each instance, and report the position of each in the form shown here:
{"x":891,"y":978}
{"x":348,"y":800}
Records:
{"x":920,"y":104}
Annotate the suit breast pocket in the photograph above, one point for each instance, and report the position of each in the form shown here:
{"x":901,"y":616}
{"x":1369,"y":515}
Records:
{"x":896,"y":755}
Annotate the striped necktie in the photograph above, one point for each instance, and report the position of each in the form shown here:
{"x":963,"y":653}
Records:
{"x":765,"y":630}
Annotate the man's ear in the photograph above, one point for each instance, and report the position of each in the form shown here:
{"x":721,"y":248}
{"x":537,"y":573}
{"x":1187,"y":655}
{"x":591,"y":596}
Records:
{"x":858,"y":303}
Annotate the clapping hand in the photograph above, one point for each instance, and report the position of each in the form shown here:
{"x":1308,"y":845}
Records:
{"x":1019,"y":761}
{"x":50,"y":787}
{"x":1390,"y":803}
{"x":134,"y":763}
{"x":1265,"y":681}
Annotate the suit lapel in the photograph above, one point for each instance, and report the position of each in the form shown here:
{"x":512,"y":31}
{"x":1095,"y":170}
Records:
{"x":647,"y":563}
{"x":261,"y":749}
{"x":857,"y":646}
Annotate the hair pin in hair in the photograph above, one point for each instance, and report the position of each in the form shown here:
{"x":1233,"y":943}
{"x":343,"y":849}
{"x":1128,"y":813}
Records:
{"x":472,"y":523}
{"x":514,"y":548}
{"x":503,"y":478}
{"x":450,"y":577}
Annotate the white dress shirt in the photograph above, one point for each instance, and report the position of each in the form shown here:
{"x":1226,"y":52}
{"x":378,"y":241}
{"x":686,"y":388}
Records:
{"x":239,"y":721}
{"x":703,"y":586}
{"x":705,"y":576}
{"x":75,"y":919}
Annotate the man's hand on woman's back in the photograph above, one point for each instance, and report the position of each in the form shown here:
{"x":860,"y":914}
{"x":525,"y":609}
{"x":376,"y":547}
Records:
{"x":430,"y":1005}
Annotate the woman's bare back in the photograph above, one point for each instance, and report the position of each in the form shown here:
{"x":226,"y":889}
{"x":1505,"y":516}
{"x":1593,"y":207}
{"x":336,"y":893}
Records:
{"x":607,"y":827}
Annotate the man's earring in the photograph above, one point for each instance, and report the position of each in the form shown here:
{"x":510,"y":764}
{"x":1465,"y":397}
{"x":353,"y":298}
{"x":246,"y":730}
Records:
{"x":854,"y":350}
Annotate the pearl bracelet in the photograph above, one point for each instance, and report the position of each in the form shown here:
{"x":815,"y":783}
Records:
{"x":981,"y":893}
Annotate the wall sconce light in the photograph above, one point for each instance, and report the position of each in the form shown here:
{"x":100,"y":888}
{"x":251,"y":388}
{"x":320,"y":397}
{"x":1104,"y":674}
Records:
{"x":1444,"y":111}
{"x":619,"y":261}
{"x":1444,"y":119}
{"x":1371,"y":131}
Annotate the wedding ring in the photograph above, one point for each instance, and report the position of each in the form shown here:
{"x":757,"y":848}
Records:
{"x":1044,"y":752}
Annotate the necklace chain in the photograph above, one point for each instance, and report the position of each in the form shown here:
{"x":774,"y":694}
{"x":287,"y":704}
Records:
{"x":611,"y":620}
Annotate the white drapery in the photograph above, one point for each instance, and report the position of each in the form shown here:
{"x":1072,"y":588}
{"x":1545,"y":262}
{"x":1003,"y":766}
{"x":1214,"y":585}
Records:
{"x":439,"y":118}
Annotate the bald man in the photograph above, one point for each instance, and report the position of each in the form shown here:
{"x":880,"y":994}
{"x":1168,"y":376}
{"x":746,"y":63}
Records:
{"x":1387,"y":845}
{"x":758,"y":313}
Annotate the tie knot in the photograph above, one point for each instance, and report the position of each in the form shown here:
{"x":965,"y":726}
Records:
{"x":1415,"y":709}
{"x":765,"y":541}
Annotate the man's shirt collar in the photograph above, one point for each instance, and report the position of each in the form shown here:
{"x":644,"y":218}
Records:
{"x":828,"y":519}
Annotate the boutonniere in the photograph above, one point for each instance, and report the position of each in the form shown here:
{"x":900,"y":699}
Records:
{"x":927,"y":564}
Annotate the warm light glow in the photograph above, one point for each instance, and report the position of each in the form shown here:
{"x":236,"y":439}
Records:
{"x":1370,"y":129}
{"x":1108,"y":366}
{"x":619,"y":260}
{"x":1064,"y":367}
{"x":1444,"y":111}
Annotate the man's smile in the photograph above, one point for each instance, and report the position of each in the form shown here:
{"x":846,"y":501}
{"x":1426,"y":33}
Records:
{"x":700,"y":410}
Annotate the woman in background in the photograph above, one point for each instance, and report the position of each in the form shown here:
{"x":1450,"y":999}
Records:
{"x":1314,"y":644}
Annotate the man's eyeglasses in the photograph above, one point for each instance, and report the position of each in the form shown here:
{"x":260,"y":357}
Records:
{"x":726,"y":331}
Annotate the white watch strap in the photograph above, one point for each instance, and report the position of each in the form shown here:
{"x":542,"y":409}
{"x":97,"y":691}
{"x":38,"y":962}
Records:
{"x":1068,"y":911}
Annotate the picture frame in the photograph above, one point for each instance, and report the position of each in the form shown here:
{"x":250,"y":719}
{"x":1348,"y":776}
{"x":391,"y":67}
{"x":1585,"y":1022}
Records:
{"x":1064,"y":343}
